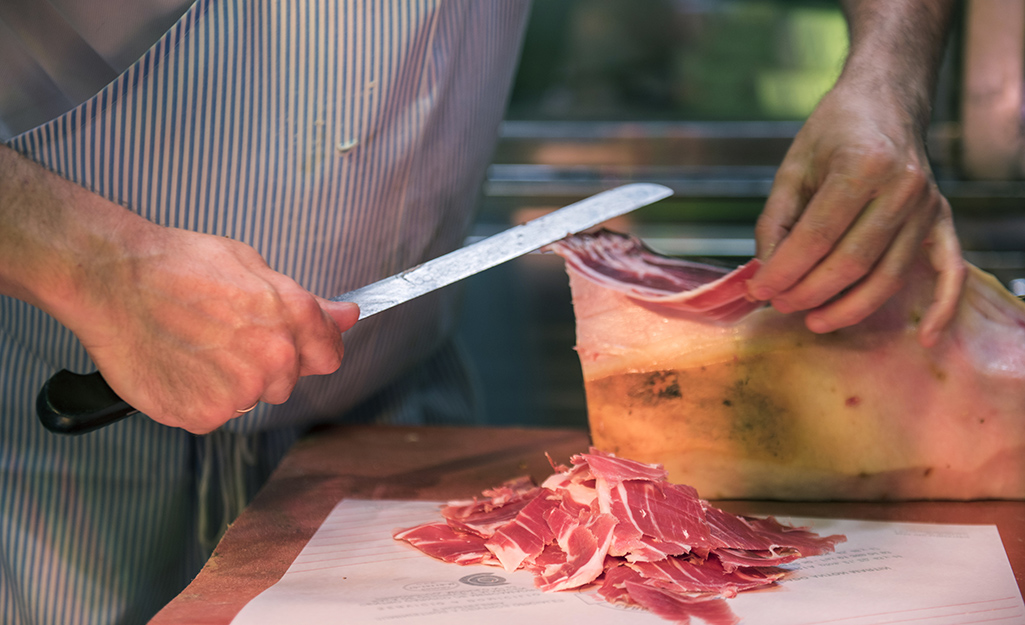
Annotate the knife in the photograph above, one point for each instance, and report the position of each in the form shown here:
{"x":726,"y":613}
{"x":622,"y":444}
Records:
{"x":72,"y":403}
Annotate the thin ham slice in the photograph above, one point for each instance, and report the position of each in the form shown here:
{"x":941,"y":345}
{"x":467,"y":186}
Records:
{"x":705,"y":576}
{"x":621,"y":527}
{"x":659,"y":282}
{"x":764,"y":534}
{"x":625,"y":586}
{"x":496,"y":507}
{"x":585,"y":544}
{"x":680,"y":607}
{"x":525,"y":536}
{"x":441,"y":541}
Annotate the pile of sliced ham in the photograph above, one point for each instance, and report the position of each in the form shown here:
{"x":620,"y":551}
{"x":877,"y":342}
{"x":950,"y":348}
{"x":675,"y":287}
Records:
{"x":621,"y":527}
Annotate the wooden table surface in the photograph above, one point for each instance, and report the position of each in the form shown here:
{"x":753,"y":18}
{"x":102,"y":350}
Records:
{"x":373,"y":462}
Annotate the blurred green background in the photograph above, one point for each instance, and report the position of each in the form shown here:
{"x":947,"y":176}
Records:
{"x":673,"y":59}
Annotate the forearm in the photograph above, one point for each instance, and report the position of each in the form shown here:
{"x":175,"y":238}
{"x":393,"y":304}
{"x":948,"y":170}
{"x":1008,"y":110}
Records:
{"x":896,"y":47}
{"x":54,"y":233}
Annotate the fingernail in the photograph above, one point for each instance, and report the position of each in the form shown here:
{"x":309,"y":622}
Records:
{"x":762,"y":293}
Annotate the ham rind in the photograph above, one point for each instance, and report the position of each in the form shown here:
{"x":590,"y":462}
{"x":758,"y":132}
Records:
{"x":441,"y":541}
{"x":756,"y":406}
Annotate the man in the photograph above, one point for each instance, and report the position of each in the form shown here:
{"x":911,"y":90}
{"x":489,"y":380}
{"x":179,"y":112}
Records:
{"x":333,"y":143}
{"x":177,"y":223}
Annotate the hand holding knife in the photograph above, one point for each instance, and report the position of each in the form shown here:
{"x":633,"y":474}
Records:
{"x":71,"y":403}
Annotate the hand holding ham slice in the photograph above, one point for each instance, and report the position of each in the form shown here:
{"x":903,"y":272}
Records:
{"x":742,"y":401}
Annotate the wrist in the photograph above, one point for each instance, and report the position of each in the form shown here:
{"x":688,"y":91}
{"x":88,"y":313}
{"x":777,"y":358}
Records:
{"x":895,"y":51}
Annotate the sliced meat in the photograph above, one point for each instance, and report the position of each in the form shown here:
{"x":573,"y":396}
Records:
{"x":441,"y":541}
{"x":764,"y":535}
{"x":705,"y":576}
{"x":585,"y":544}
{"x":619,"y":526}
{"x":668,"y":515}
{"x":614,"y":470}
{"x":671,"y":285}
{"x":681,"y":607}
{"x":498,"y":507}
{"x":525,"y":536}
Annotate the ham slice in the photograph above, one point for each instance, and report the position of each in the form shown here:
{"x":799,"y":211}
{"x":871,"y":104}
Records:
{"x":660,"y":283}
{"x":620,"y":527}
{"x":441,"y":541}
{"x":741,"y":401}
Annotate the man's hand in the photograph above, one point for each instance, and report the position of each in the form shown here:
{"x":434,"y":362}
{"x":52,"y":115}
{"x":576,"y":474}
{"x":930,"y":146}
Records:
{"x":851,"y":207}
{"x":854,"y":202}
{"x":188,"y":328}
{"x":193,"y":329}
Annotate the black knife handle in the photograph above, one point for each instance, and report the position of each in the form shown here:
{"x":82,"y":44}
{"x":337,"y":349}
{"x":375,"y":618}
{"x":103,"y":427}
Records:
{"x":73,"y":403}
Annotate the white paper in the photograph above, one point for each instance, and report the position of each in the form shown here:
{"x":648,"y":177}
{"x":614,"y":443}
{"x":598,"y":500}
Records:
{"x":353,"y":571}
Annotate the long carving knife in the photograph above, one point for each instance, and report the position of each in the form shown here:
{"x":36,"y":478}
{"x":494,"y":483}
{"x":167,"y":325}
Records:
{"x":72,"y":403}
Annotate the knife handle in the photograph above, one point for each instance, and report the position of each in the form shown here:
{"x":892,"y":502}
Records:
{"x":73,"y":403}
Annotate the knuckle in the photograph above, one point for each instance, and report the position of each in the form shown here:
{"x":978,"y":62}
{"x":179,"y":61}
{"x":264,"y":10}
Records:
{"x":853,"y":269}
{"x":915,"y":187}
{"x":280,"y":394}
{"x":817,"y":238}
{"x":325,"y":361}
{"x":279,"y":354}
{"x":874,"y":158}
{"x":307,"y":310}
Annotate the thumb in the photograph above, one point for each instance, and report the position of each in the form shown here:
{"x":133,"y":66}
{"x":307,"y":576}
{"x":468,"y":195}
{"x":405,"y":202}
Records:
{"x":344,"y":314}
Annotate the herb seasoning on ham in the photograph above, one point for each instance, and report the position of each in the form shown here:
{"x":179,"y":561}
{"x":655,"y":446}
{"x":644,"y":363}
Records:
{"x":743,"y":402}
{"x":620,"y":527}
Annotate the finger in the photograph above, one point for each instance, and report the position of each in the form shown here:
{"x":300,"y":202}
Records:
{"x":281,"y":381}
{"x":344,"y":314}
{"x":868,"y":295}
{"x":946,"y":258}
{"x":320,"y":343}
{"x":906,"y":208}
{"x":828,"y":215}
{"x":782,"y":209}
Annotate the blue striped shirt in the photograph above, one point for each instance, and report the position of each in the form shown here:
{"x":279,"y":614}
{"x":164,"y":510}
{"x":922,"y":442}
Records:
{"x":345,"y":140}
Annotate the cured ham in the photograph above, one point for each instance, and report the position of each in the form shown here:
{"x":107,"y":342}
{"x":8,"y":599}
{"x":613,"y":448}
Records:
{"x":621,"y":528}
{"x":741,"y":401}
{"x":441,"y":541}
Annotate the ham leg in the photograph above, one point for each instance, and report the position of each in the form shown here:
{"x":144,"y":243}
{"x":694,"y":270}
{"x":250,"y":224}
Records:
{"x":741,"y":401}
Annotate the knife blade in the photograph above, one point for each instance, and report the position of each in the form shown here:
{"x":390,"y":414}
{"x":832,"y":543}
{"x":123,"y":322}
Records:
{"x":72,"y":403}
{"x":502,"y":247}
